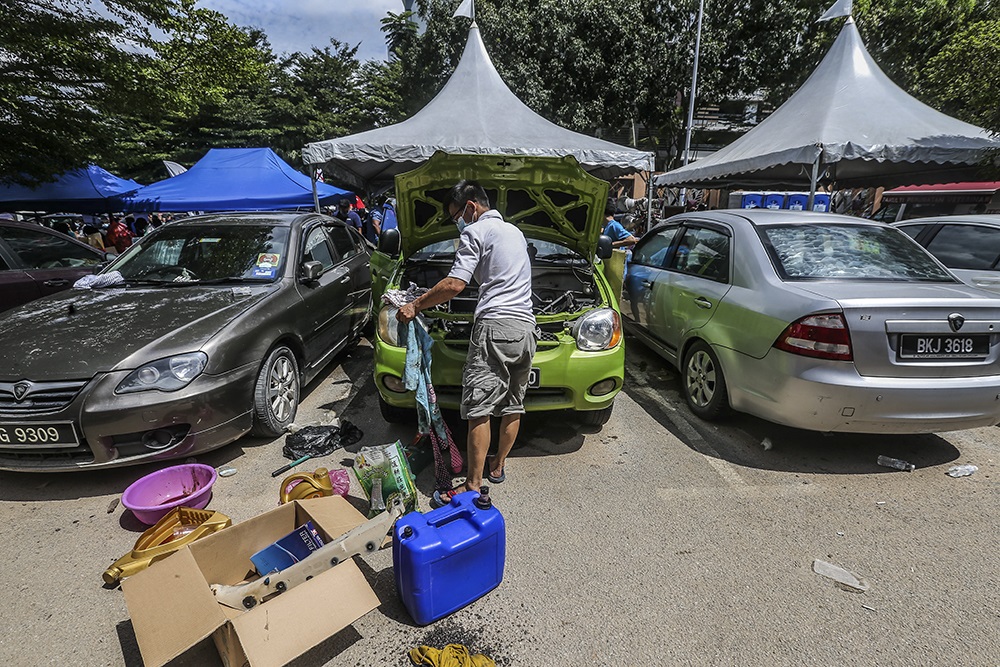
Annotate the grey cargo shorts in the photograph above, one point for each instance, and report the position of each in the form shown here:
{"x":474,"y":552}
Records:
{"x":496,"y":370}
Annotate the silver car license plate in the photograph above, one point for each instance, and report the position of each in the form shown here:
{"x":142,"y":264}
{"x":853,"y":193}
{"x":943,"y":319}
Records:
{"x":534,"y":378}
{"x":973,"y":346}
{"x":38,"y":434}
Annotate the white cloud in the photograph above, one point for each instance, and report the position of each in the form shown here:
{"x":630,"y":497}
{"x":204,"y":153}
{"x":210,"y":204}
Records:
{"x":299,"y":25}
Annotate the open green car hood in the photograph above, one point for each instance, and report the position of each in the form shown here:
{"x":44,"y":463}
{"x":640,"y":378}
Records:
{"x":550,"y":199}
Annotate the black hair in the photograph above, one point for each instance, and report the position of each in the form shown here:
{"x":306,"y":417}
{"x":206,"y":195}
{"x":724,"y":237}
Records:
{"x":610,"y":209}
{"x":464,"y":191}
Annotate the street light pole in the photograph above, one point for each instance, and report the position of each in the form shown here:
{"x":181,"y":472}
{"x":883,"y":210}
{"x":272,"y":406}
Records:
{"x":694,"y":89}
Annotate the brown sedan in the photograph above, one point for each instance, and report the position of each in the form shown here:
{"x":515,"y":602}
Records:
{"x":201,"y":332}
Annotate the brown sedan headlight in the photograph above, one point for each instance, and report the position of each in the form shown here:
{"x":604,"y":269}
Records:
{"x":168,"y":374}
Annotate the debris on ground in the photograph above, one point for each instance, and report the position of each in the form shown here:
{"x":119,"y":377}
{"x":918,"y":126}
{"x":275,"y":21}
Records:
{"x":320,"y":440}
{"x":962,"y":471}
{"x":227,"y":471}
{"x":844,"y":579}
{"x":898,"y":464}
{"x":766,"y":444}
{"x":113,"y":505}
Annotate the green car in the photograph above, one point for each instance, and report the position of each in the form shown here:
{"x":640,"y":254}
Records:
{"x":580,"y":360}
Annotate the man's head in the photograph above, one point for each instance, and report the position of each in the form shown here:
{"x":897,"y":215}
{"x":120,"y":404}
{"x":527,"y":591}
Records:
{"x":466,"y":201}
{"x":610,"y":210}
{"x":344,"y":205}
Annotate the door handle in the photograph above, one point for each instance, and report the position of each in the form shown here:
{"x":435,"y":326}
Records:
{"x":55,"y":282}
{"x":702,"y":302}
{"x":647,"y":284}
{"x":345,"y":279}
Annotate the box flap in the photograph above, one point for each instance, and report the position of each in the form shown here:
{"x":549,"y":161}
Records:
{"x":172,"y":608}
{"x":290,"y":624}
{"x":224,"y":557}
{"x":333,"y":514}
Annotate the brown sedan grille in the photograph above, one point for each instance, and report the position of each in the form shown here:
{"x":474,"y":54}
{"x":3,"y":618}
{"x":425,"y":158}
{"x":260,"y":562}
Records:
{"x":26,"y":398}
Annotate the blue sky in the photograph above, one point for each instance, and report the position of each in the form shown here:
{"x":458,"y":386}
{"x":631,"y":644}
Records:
{"x":298,"y":25}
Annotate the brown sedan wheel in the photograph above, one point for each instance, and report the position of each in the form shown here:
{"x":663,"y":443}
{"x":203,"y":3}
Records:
{"x":276,"y":395}
{"x":703,"y":382}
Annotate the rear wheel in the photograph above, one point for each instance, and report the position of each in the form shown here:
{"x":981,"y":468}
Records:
{"x":395,"y":415}
{"x":703,"y":382}
{"x":276,"y":394}
{"x":597,"y":417}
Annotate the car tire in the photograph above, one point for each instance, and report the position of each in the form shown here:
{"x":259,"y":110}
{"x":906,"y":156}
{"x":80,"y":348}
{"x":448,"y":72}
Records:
{"x":703,"y":383}
{"x":597,"y":417}
{"x":276,"y":394}
{"x":396,"y":415}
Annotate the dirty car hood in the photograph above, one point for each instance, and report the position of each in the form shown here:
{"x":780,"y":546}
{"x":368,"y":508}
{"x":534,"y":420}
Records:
{"x":78,"y":333}
{"x":551,"y":199}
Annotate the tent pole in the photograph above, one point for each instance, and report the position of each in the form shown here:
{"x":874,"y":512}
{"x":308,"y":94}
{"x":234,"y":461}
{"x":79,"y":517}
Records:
{"x":312,"y":174}
{"x":812,"y":181}
{"x":649,"y":199}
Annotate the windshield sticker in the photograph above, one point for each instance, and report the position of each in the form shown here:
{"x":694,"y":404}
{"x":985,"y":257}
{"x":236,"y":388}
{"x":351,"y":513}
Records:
{"x":268,"y":259}
{"x":206,"y":239}
{"x":265,"y":272}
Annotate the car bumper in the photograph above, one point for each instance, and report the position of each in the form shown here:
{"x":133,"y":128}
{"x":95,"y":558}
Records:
{"x":118,"y":430}
{"x":566,"y":375}
{"x":831,"y":396}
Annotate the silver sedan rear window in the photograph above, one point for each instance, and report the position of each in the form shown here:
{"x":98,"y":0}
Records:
{"x":849,"y":252}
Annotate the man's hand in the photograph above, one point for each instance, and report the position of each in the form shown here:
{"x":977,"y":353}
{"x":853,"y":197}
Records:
{"x":406,"y":314}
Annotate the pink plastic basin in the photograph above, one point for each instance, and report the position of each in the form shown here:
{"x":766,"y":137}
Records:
{"x":152,"y":496}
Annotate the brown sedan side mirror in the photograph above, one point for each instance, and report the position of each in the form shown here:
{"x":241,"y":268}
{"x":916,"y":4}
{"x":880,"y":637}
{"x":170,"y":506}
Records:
{"x":311,"y":271}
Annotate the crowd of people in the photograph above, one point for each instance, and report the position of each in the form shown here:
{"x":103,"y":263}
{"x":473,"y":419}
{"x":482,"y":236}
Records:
{"x":369,"y":221}
{"x":109,"y":232}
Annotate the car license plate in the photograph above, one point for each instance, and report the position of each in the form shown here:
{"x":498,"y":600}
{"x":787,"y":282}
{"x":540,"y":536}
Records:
{"x":944,"y":347}
{"x":534,"y":378}
{"x":38,"y":434}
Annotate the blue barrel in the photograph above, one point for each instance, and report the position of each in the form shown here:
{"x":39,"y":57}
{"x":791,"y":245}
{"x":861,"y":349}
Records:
{"x":774,"y":200}
{"x":448,"y":557}
{"x":797,"y":201}
{"x":752,"y":200}
{"x":821,"y":203}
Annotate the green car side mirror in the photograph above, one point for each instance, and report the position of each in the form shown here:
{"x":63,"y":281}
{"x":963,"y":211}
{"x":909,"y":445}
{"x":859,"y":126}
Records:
{"x":604,"y":247}
{"x":388,"y":242}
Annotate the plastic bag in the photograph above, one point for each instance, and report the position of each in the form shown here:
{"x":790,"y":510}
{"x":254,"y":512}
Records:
{"x":320,"y":440}
{"x":388,"y":464}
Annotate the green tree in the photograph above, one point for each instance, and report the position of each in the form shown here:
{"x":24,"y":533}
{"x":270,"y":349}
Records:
{"x":65,"y":69}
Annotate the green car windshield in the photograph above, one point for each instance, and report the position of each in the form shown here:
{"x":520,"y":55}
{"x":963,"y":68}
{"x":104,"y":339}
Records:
{"x":545,"y":252}
{"x":849,"y":252}
{"x":206,"y":254}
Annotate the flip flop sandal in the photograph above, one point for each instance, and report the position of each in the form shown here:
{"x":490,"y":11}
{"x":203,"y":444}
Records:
{"x":489,"y":473}
{"x":442,"y":498}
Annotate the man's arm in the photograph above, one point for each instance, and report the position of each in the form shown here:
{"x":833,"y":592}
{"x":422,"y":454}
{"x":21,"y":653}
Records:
{"x":445,"y":290}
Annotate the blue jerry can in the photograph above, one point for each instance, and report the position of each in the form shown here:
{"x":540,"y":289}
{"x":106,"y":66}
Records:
{"x":448,"y":557}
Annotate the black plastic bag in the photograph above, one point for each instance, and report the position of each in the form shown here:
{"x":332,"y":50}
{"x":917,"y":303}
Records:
{"x":320,"y":440}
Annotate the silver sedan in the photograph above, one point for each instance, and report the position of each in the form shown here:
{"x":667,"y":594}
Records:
{"x":816,"y":321}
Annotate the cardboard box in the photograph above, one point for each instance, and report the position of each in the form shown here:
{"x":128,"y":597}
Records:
{"x":173,"y":608}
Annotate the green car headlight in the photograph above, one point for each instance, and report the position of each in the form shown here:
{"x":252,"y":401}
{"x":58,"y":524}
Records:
{"x":169,"y":374}
{"x":388,"y":327}
{"x":598,"y":330}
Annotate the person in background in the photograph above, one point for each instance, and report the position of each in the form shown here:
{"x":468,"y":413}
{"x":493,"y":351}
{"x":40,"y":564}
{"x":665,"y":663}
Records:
{"x":118,"y":235}
{"x":373,"y":224}
{"x":345,"y":213}
{"x":494,"y":253}
{"x":620,"y":237}
{"x":388,"y":214}
{"x":92,"y":237}
{"x":140,"y":226}
{"x":154,"y":221}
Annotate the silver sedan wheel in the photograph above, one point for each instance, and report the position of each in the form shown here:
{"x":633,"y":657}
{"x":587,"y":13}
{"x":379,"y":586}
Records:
{"x":282,"y":389}
{"x":700,"y":378}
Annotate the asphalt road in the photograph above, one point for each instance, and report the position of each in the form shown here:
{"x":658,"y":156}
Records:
{"x":657,"y":540}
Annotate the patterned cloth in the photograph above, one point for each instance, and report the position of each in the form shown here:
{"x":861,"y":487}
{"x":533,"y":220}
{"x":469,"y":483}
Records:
{"x":99,"y":280}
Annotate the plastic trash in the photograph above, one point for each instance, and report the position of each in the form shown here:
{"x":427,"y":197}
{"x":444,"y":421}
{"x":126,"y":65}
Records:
{"x":845,"y":579}
{"x":227,"y":471}
{"x":320,"y":440}
{"x":962,"y":471}
{"x":898,"y":464}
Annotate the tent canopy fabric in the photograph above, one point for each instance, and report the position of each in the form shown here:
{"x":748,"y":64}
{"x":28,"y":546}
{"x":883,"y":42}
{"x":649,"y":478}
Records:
{"x":474,"y":114}
{"x":86,"y":190}
{"x":234,"y":179}
{"x":864,"y":130}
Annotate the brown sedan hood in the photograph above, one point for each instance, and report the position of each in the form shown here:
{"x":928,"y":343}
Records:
{"x":78,"y":333}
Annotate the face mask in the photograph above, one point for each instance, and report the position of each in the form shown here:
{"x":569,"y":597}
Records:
{"x":461,"y":223}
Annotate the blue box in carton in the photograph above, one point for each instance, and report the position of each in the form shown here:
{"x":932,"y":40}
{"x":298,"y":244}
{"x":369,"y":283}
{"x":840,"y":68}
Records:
{"x":449,"y":557}
{"x":287,"y":551}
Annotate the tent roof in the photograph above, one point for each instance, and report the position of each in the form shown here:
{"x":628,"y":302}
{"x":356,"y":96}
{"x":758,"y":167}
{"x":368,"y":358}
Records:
{"x":937,"y":188}
{"x":475,"y":113}
{"x":86,"y":190}
{"x":233,"y":179}
{"x":865,"y":129}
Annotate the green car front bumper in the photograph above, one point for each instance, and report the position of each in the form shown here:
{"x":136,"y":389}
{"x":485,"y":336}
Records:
{"x":567,"y":375}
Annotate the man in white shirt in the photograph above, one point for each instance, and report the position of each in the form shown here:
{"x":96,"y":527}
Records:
{"x":494,"y":253}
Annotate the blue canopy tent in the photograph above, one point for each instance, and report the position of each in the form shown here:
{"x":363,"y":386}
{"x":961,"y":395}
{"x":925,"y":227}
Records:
{"x":234,"y":179}
{"x":86,"y":190}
